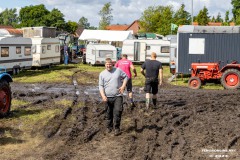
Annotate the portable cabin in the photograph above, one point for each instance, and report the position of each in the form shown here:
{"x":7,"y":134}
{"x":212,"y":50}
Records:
{"x":97,"y":53}
{"x":15,"y":53}
{"x":46,"y":51}
{"x":139,"y":50}
{"x":206,"y":44}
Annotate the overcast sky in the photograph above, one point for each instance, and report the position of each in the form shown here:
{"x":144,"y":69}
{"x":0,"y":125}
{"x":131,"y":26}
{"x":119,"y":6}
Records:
{"x":124,"y":11}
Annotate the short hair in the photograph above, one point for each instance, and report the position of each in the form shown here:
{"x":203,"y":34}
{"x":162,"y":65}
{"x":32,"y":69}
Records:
{"x":124,"y":55}
{"x":154,"y":54}
{"x":108,"y":60}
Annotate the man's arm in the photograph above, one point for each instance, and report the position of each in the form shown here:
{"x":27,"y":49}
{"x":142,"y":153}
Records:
{"x":134,"y":70}
{"x":160,"y":76}
{"x":104,"y":98}
{"x":101,"y":89}
{"x":123,"y":75}
{"x":143,"y":73}
{"x":122,"y":88}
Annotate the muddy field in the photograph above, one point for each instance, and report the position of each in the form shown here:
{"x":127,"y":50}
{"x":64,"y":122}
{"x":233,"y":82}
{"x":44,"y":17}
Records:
{"x":186,"y":125}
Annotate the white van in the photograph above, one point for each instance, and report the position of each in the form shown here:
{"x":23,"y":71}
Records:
{"x":139,"y":50}
{"x":97,"y":53}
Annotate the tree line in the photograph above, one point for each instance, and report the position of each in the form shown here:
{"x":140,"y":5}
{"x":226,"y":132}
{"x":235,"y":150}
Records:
{"x":156,"y":19}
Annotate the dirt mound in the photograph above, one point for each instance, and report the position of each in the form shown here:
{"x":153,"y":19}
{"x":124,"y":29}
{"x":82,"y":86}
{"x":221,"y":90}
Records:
{"x":187,"y":124}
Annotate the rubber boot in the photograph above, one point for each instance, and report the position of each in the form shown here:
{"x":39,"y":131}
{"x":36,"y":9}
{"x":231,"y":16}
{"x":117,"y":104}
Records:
{"x":154,"y":103}
{"x":147,"y":103}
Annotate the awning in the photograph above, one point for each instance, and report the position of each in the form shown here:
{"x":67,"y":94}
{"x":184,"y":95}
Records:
{"x":105,"y":35}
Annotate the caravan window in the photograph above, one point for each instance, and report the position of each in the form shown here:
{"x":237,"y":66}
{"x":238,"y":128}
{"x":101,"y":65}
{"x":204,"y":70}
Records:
{"x":106,"y":54}
{"x":27,"y":51}
{"x":43,"y":49}
{"x":48,"y":47}
{"x":57,"y":48}
{"x":5,"y":52}
{"x":18,"y":50}
{"x":165,"y":49}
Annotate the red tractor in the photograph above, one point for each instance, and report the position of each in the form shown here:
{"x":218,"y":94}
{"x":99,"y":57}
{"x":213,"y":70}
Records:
{"x":5,"y":93}
{"x":228,"y":75}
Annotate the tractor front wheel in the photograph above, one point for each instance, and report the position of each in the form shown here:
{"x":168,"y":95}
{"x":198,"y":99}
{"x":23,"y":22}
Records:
{"x":5,"y":98}
{"x":194,"y":83}
{"x":231,"y":79}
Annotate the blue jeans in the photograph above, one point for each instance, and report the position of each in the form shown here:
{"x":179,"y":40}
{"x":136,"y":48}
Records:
{"x":114,"y":111}
{"x":66,"y":60}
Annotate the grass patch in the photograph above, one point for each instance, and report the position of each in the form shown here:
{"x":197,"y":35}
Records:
{"x":183,"y":81}
{"x":63,"y":74}
{"x":16,"y":103}
{"x":56,"y":74}
{"x":63,"y":102}
{"x":89,"y":75}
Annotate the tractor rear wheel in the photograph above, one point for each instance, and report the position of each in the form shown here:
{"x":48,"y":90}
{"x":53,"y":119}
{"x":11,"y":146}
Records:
{"x":230,"y":79}
{"x":5,"y":98}
{"x":194,"y":83}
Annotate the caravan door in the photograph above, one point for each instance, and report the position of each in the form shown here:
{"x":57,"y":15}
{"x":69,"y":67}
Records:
{"x":139,"y":51}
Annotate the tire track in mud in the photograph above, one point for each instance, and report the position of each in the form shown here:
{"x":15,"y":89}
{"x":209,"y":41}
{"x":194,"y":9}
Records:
{"x":85,"y":126}
{"x":157,"y":132}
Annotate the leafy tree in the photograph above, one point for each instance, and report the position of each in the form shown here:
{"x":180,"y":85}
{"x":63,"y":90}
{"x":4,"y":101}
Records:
{"x":213,"y":19}
{"x":182,"y":17}
{"x":237,"y":20}
{"x":157,"y":19}
{"x":33,"y":15}
{"x":9,"y":17}
{"x":226,"y":19}
{"x":236,"y":11}
{"x":149,"y":19}
{"x":236,"y":7}
{"x":71,"y":27}
{"x":93,"y":28}
{"x":194,"y":18}
{"x":164,"y":23}
{"x":202,"y":17}
{"x":219,"y":19}
{"x":83,"y":22}
{"x":106,"y":16}
{"x":55,"y":19}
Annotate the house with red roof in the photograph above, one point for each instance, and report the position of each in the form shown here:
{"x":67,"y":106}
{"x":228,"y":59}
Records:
{"x":134,"y":27}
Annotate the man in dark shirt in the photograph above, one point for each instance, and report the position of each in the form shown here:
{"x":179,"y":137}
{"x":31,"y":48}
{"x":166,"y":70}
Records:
{"x":154,"y":77}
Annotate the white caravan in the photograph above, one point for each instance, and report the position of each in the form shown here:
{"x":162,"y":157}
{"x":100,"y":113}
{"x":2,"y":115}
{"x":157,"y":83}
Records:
{"x":97,"y":53}
{"x":15,"y":53}
{"x":139,"y":50}
{"x":46,"y":51}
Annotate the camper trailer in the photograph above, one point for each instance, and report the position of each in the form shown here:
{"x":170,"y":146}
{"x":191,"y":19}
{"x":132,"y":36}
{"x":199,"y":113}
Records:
{"x":97,"y":53}
{"x":16,"y":53}
{"x":139,"y":50}
{"x":46,"y":51}
{"x":200,"y":44}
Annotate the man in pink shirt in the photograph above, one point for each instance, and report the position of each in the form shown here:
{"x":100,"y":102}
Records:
{"x":125,"y":65}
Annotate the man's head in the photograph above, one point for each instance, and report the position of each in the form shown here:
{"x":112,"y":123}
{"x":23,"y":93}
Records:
{"x":124,"y":56}
{"x":108,"y":64}
{"x":153,"y":55}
